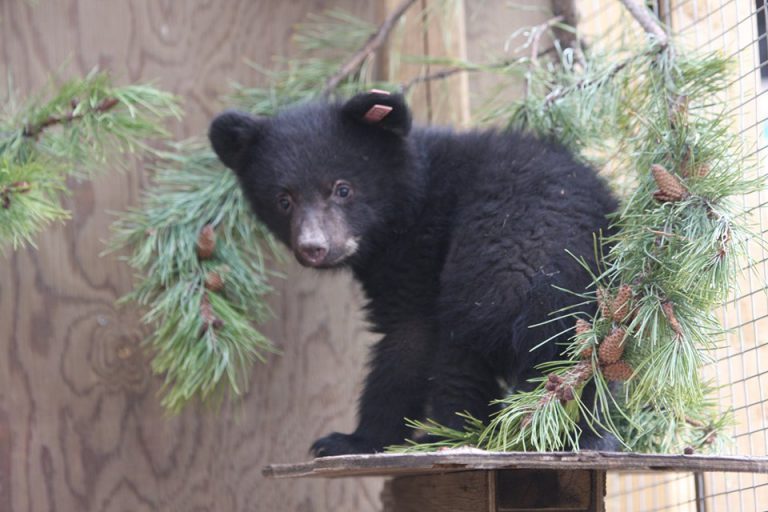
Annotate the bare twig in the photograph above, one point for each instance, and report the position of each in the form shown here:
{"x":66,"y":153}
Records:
{"x":438,"y":75}
{"x":649,"y":24}
{"x":370,"y":46}
{"x":448,"y":72}
{"x":537,"y":32}
{"x":534,"y":40}
{"x":640,"y":12}
{"x":33,"y":130}
{"x":556,"y":94}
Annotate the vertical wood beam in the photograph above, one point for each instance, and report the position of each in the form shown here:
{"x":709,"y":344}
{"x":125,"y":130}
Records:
{"x":431,"y":29}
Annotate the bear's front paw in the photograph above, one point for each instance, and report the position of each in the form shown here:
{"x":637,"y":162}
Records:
{"x":341,"y":444}
{"x":600,"y":442}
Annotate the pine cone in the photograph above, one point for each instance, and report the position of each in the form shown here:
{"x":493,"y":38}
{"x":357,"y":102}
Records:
{"x":670,"y":188}
{"x":208,"y":316}
{"x":214,"y":281}
{"x":702,"y":170}
{"x":669,"y":312}
{"x":21,"y":187}
{"x":581,"y":372}
{"x":612,"y":347}
{"x":552,"y":377}
{"x":565,"y":394}
{"x":206,"y":242}
{"x":618,"y":371}
{"x":678,"y":109}
{"x":685,"y":161}
{"x":622,"y":304}
{"x":725,"y":239}
{"x":664,"y":198}
{"x":582,"y":326}
{"x":604,"y":302}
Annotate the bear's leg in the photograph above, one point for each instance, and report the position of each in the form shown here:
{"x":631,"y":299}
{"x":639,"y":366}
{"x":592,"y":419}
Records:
{"x":463,"y":380}
{"x":395,"y":389}
{"x":594,"y":437}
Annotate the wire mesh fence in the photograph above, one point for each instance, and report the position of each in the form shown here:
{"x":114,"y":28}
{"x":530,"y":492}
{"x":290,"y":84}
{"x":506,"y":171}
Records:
{"x":737,"y":29}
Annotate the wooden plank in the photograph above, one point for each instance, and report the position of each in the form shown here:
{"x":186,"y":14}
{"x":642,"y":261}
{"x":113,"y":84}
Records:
{"x":455,"y":492}
{"x":388,"y":464}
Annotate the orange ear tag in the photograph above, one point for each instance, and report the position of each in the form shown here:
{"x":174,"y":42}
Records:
{"x":376,"y":113}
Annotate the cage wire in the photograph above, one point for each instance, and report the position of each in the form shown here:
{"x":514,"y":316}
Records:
{"x":737,"y":29}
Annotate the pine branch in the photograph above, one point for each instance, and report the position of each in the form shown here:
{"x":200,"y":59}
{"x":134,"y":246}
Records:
{"x":560,"y":92}
{"x":671,"y":259}
{"x":370,"y":46}
{"x":642,"y":14}
{"x":97,"y":123}
{"x":34,"y":130}
{"x":536,"y":33}
{"x":200,"y":256}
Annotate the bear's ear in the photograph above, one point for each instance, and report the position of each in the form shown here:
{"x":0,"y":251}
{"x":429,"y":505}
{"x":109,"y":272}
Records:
{"x":230,"y":133}
{"x":381,"y":109}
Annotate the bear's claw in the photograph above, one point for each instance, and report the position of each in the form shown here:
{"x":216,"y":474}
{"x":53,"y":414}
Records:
{"x":336,"y":443}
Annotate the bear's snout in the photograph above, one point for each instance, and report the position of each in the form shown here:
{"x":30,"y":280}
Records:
{"x":313,"y":254}
{"x":321,"y":236}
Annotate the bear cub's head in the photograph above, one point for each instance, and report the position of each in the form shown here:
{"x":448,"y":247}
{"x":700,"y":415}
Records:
{"x":325,"y":178}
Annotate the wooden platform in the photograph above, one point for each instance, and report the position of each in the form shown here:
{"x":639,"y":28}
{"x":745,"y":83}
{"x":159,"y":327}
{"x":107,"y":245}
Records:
{"x":385,"y":464}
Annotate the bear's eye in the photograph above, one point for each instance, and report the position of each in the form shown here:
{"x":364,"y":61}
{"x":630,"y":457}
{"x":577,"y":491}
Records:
{"x":342,"y":189}
{"x":284,"y":202}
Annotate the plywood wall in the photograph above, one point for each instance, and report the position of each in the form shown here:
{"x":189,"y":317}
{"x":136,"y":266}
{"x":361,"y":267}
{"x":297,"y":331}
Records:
{"x":80,"y":424}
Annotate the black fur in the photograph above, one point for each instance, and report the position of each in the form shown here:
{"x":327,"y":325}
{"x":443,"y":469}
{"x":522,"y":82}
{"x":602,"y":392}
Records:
{"x":461,"y":239}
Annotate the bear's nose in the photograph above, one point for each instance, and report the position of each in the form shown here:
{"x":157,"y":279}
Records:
{"x":313,"y":253}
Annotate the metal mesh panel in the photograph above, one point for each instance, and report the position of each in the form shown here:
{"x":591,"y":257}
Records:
{"x":737,"y":28}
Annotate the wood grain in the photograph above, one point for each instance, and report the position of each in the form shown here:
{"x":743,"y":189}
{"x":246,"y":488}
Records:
{"x":80,"y":424}
{"x":463,"y":459}
{"x":449,"y":492}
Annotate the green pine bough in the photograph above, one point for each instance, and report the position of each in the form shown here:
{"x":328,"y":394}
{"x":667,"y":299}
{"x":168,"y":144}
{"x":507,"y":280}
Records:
{"x":71,"y":129}
{"x":203,"y":275}
{"x":672,"y":258}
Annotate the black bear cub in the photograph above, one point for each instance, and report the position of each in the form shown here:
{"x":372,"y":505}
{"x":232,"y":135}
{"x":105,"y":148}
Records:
{"x":458,"y":240}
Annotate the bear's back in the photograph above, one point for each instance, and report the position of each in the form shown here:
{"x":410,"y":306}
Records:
{"x":513,"y":175}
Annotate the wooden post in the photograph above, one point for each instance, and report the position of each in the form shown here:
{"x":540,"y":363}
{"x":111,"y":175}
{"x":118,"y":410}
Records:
{"x":430,"y":30}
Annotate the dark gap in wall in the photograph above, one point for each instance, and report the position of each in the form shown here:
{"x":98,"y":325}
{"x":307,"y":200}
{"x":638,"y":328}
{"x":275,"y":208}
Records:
{"x":761,"y":11}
